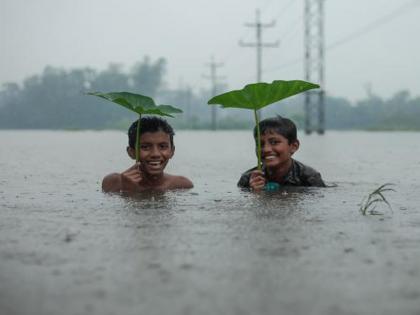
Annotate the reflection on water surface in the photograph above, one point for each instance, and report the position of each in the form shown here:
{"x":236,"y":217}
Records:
{"x":70,"y":249}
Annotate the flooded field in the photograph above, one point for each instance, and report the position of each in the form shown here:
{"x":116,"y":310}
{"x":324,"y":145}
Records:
{"x":67,"y":248}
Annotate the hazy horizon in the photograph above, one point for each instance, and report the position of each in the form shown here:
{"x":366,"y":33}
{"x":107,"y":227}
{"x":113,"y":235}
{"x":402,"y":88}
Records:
{"x":376,"y":47}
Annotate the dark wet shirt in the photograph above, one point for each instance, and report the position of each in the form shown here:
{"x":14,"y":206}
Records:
{"x":298,"y":175}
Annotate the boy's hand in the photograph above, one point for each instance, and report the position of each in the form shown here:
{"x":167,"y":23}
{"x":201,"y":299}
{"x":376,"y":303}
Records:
{"x":257,"y":180}
{"x":131,"y":178}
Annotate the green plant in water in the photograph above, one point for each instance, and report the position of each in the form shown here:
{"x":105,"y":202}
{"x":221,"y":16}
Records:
{"x":258,"y":95}
{"x":140,"y":104}
{"x":370,"y":202}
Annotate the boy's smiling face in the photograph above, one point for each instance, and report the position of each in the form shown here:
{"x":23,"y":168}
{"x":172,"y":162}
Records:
{"x":155,"y":152}
{"x":276,"y":152}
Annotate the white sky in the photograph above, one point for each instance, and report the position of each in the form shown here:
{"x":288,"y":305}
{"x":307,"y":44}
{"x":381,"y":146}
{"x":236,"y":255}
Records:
{"x":79,"y":33}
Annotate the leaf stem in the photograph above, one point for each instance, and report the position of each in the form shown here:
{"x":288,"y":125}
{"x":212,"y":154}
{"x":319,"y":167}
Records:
{"x":257,"y":124}
{"x":138,"y":140}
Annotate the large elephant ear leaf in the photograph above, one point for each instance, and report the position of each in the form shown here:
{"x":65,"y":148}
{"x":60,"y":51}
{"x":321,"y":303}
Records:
{"x":169,"y":109}
{"x":163,"y":110}
{"x":138,"y":103}
{"x":141,"y":105}
{"x":258,"y":95}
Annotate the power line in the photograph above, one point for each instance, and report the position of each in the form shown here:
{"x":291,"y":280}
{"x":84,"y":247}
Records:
{"x":245,"y":35}
{"x":283,"y":10}
{"x":375,"y":24}
{"x":266,"y":5}
{"x":292,"y":31}
{"x":259,"y":44}
{"x":360,"y":32}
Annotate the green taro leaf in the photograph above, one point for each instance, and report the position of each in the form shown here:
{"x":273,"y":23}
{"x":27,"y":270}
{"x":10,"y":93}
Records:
{"x":258,"y":95}
{"x":138,"y":103}
{"x":141,"y":105}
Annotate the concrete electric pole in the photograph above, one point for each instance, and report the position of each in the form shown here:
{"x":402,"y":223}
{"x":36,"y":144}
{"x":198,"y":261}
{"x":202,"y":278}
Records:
{"x":259,"y":44}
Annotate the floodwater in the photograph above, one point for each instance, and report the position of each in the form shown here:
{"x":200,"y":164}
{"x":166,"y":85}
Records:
{"x":67,"y":248}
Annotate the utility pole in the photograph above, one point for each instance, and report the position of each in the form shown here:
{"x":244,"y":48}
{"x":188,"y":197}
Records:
{"x":314,"y":65}
{"x":213,"y":79}
{"x":188,"y":103}
{"x":259,"y":44}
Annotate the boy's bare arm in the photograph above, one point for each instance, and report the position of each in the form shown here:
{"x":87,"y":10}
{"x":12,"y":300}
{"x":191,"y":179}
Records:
{"x":126,"y":181}
{"x":257,"y":180}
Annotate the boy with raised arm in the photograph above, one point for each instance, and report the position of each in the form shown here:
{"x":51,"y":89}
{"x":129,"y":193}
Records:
{"x":156,"y":149}
{"x":278,"y":144}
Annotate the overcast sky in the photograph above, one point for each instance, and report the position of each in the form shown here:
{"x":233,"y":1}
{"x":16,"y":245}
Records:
{"x":383,"y":53}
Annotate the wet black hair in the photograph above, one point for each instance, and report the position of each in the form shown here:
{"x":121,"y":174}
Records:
{"x":150,"y":124}
{"x":282,"y":126}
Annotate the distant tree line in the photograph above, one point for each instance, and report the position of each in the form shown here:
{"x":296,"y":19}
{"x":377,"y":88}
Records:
{"x":56,"y":99}
{"x":400,"y":112}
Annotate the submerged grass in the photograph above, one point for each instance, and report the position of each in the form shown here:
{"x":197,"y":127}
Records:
{"x":370,"y":202}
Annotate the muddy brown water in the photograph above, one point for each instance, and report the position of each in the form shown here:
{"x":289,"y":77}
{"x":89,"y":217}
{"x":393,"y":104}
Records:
{"x":67,"y":248}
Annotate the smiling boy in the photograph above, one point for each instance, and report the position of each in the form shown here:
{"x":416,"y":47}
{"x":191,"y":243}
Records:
{"x":278,"y":143}
{"x":156,"y":149}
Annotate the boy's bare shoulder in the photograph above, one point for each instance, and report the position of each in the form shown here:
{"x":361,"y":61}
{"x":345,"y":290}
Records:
{"x":112,"y":182}
{"x":179,"y":182}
